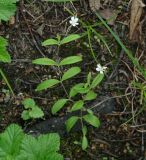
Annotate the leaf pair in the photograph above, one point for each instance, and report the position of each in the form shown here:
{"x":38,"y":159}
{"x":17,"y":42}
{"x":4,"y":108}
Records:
{"x":89,"y":118}
{"x":49,"y":62}
{"x":59,"y":42}
{"x":49,"y":83}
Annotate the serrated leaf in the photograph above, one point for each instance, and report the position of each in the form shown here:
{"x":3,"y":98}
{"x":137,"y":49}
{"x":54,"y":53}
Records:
{"x":71,"y":73}
{"x":84,"y":143}
{"x":10,"y":142}
{"x":44,"y":147}
{"x":36,"y":112}
{"x":4,"y":55}
{"x":28,"y":103}
{"x":58,"y":105}
{"x":91,"y":119}
{"x":49,"y":42}
{"x":47,"y":84}
{"x":70,"y":60}
{"x":7,"y":9}
{"x":70,"y":38}
{"x":90,"y":96}
{"x":77,"y":105}
{"x":71,"y":122}
{"x":97,"y":80}
{"x":44,"y":61}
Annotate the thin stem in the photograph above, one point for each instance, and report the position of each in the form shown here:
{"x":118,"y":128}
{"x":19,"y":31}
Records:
{"x":90,"y":45}
{"x":6,"y":81}
{"x":60,"y":72}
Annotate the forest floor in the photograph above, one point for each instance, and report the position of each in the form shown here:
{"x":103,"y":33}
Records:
{"x":122,"y":132}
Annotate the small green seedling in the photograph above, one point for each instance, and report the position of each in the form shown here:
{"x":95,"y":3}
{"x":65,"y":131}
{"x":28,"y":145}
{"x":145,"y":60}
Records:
{"x":31,"y":110}
{"x":84,"y":90}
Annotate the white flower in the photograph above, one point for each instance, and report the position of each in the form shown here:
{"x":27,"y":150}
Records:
{"x":100,"y":68}
{"x":74,"y":21}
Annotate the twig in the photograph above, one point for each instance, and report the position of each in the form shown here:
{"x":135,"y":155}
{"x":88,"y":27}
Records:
{"x":34,"y":41}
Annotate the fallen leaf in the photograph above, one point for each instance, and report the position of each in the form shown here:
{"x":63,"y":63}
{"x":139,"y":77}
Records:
{"x":136,"y":12}
{"x":94,"y":5}
{"x":109,"y":14}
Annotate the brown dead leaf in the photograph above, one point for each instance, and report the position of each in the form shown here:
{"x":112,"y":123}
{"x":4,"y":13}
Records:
{"x":12,"y":20}
{"x":94,"y":5}
{"x":109,"y":14}
{"x":136,"y":12}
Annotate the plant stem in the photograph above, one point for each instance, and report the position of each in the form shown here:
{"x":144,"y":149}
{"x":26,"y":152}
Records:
{"x":6,"y":81}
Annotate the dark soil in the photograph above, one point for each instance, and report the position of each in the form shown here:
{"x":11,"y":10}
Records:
{"x":118,"y":137}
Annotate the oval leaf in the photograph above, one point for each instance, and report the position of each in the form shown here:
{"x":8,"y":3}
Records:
{"x":77,"y":105}
{"x":58,"y":105}
{"x":73,"y":90}
{"x":47,"y":84}
{"x":44,"y":61}
{"x":71,"y":122}
{"x":97,"y":80}
{"x":90,"y":96}
{"x":70,"y":60}
{"x":91,"y":119}
{"x":49,"y":42}
{"x":71,"y":73}
{"x":84,"y":143}
{"x":70,"y":38}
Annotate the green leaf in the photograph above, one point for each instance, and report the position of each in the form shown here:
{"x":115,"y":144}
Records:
{"x":49,"y":42}
{"x":84,"y":143}
{"x":73,"y":90}
{"x":82,"y":90}
{"x":25,"y":115}
{"x":44,"y":61}
{"x":44,"y":147}
{"x":71,"y":73}
{"x":91,"y":119}
{"x":59,"y":0}
{"x":10,"y":142}
{"x":84,"y":130}
{"x":89,"y":78}
{"x":70,"y":60}
{"x":47,"y":84}
{"x":70,"y":38}
{"x":90,"y":111}
{"x":90,"y":96}
{"x":7,"y":9}
{"x":4,"y":55}
{"x":58,"y":105}
{"x":77,"y":105}
{"x":97,"y":80}
{"x":36,"y":112}
{"x":71,"y":122}
{"x":28,"y":103}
